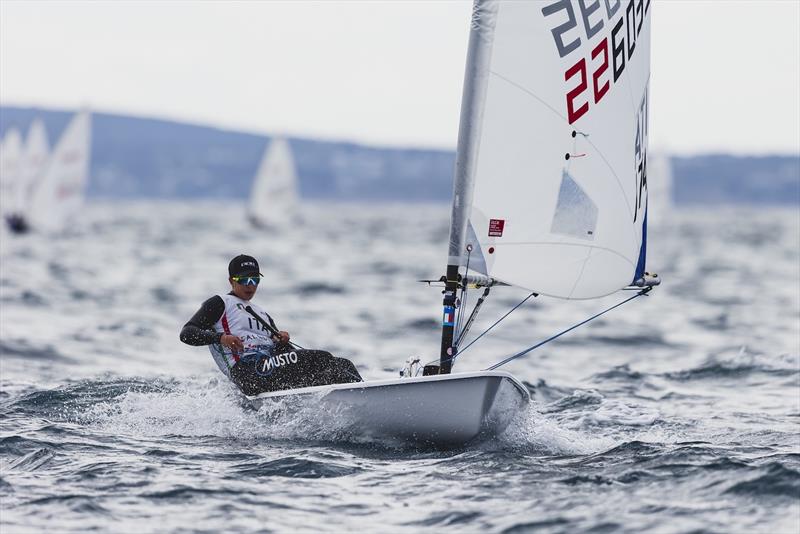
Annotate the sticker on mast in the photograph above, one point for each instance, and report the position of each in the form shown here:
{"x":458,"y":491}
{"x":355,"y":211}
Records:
{"x":496,"y":227}
{"x":449,"y":316}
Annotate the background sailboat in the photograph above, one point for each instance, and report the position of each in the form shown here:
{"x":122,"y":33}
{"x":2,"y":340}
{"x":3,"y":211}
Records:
{"x":11,"y":154}
{"x":32,"y":164}
{"x":59,"y":194}
{"x":273,"y":198}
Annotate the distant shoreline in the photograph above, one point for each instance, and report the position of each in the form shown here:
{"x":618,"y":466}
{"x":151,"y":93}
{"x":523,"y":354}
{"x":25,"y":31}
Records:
{"x":145,"y":158}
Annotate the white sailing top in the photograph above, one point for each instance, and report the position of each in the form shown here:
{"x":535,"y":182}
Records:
{"x":237,"y":321}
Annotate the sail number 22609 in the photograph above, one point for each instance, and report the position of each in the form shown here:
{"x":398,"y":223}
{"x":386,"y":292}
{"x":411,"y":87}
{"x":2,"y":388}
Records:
{"x":615,"y":47}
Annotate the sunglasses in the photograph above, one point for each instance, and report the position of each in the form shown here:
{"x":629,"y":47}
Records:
{"x":247,"y":280}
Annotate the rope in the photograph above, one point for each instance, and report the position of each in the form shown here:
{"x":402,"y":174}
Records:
{"x":463,"y":303}
{"x":272,"y":330}
{"x":459,"y":353}
{"x":472,"y":316}
{"x":529,"y":349}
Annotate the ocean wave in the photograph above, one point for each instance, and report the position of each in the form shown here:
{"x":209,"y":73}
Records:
{"x":617,"y":413}
{"x":635,"y":448}
{"x":70,"y":401}
{"x":18,"y":446}
{"x":741,"y":364}
{"x":653,"y":339}
{"x":164,"y":294}
{"x":775,"y":479}
{"x":544,"y":393}
{"x":542,"y":525}
{"x":80,"y":503}
{"x":294,"y":467}
{"x":180,"y":408}
{"x":535,"y":433}
{"x":27,"y":351}
{"x":33,"y":460}
{"x":620,"y":372}
{"x":447,"y":519}
{"x":318,"y":288}
{"x":184,"y":493}
{"x":198,"y":407}
{"x":423,"y":323}
{"x":577,"y":400}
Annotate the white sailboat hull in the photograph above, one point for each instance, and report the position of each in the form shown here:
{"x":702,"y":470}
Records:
{"x":442,"y":410}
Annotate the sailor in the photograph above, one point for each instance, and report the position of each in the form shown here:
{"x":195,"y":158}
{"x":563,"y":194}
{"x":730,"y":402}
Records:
{"x":247,"y":345}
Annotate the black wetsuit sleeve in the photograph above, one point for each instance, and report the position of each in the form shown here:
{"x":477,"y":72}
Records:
{"x":200,"y":328}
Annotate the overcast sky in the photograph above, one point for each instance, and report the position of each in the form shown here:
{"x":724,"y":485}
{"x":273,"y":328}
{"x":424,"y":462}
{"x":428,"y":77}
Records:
{"x":725,"y":74}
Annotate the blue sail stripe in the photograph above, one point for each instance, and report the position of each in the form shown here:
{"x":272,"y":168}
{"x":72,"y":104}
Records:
{"x":640,"y":265}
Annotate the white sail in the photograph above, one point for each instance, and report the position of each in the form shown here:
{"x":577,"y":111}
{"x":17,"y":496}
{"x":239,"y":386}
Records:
{"x":10,"y":170}
{"x":59,"y":194}
{"x":34,"y":162}
{"x":273,"y":198}
{"x":557,"y":138}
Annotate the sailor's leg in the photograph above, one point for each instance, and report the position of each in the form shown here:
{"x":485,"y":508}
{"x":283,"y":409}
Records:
{"x":244,"y":376}
{"x":264,"y":374}
{"x":292,"y":369}
{"x":323,"y":368}
{"x":345,"y":371}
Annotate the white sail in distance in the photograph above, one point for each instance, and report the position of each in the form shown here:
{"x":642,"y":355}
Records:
{"x":34,"y":162}
{"x":273,"y":198}
{"x":59,"y":194}
{"x":10,"y":169}
{"x":556,"y":141}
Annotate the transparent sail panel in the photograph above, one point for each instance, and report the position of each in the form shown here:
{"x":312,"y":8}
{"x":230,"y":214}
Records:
{"x":576,"y":214}
{"x":476,"y":259}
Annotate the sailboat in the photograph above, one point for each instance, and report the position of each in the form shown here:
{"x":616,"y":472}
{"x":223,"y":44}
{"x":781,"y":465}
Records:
{"x":273,"y":198}
{"x":10,"y":173}
{"x":58,"y":194}
{"x":550,"y":195}
{"x":32,"y":162}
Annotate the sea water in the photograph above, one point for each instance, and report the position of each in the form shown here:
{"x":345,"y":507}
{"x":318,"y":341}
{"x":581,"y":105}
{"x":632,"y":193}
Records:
{"x":679,"y":412}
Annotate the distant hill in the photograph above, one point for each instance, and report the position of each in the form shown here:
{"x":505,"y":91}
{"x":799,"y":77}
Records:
{"x":725,"y":179}
{"x":149,"y":158}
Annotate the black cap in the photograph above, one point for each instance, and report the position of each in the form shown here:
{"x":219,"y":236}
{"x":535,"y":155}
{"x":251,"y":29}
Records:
{"x":243,"y":265}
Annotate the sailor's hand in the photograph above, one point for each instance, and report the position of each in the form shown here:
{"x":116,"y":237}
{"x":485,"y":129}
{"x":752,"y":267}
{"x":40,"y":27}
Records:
{"x":282,"y":338}
{"x":232,"y":342}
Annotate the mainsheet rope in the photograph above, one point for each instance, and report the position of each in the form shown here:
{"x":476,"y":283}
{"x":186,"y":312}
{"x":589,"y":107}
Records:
{"x":551,"y":338}
{"x":495,"y":324}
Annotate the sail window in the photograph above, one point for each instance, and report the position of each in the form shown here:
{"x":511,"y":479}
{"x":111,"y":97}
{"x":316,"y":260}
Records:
{"x":575,"y":214}
{"x":477,"y":262}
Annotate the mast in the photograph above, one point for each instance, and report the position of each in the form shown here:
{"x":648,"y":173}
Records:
{"x":476,"y":78}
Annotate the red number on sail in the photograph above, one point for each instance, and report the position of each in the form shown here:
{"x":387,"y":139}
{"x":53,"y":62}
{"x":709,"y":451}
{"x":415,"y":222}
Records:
{"x":599,"y":92}
{"x":572,"y":113}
